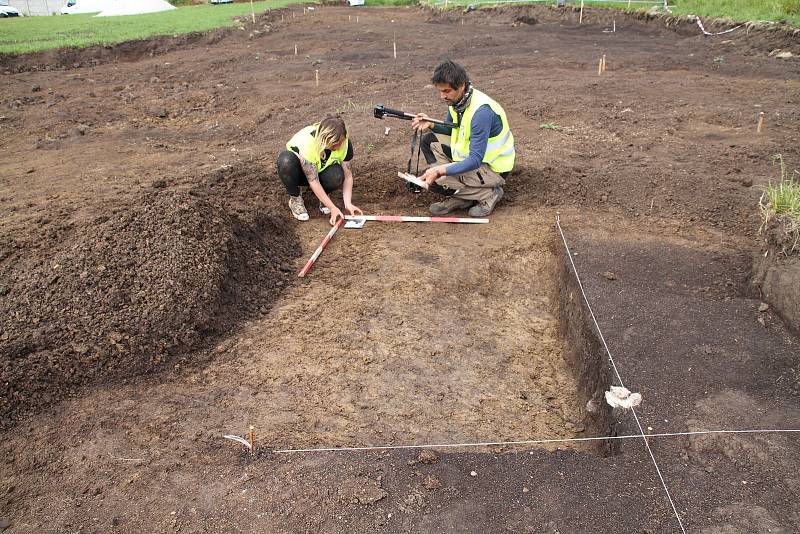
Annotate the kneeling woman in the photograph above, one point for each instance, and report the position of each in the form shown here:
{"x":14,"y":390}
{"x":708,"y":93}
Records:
{"x":318,"y":156}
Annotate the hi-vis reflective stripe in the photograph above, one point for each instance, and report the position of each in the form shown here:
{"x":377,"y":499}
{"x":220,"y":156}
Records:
{"x":498,"y":143}
{"x":508,"y":152}
{"x":492,"y":145}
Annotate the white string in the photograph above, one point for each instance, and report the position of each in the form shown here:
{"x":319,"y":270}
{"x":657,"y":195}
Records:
{"x":616,"y":371}
{"x":703,"y":29}
{"x":532,"y":441}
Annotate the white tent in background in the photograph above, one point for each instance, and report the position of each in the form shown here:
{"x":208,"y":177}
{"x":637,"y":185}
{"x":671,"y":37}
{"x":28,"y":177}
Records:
{"x":134,"y":7}
{"x":73,"y":7}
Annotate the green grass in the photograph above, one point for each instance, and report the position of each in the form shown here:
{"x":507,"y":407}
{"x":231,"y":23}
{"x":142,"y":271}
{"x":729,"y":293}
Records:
{"x":750,"y":10}
{"x":783,"y":200}
{"x":31,"y":34}
{"x":549,"y":126}
{"x":740,"y":10}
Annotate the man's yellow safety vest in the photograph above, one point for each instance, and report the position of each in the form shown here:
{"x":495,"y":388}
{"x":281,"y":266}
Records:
{"x":304,"y":142}
{"x":500,"y":152}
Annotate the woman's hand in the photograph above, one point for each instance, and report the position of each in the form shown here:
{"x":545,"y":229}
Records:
{"x":353,"y":209}
{"x":421,"y":122}
{"x":336,"y":214}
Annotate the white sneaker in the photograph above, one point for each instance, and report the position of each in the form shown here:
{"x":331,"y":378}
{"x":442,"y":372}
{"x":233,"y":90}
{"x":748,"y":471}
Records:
{"x":323,"y":209}
{"x":298,"y":208}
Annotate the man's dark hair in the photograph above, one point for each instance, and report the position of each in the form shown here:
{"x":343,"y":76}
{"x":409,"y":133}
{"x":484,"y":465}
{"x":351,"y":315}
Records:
{"x":450,"y":73}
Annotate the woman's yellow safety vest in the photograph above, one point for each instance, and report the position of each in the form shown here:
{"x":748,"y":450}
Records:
{"x":500,"y":152}
{"x":305,"y":141}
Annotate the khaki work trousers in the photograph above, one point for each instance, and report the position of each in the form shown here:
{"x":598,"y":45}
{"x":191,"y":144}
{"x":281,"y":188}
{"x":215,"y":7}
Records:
{"x":474,"y":185}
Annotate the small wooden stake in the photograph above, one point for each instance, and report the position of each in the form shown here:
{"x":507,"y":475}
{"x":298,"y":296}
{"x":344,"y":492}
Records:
{"x":252,"y":11}
{"x":348,"y":18}
{"x":394,"y":46}
{"x":295,"y":49}
{"x":316,"y":75}
{"x":760,"y":122}
{"x":252,"y":439}
{"x":600,"y":67}
{"x":580,"y":19}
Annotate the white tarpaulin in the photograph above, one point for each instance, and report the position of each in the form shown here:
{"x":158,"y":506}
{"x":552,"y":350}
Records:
{"x":74,"y":7}
{"x":135,"y":7}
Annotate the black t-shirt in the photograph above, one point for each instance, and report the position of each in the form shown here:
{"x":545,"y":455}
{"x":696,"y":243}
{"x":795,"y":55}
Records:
{"x":347,"y":157}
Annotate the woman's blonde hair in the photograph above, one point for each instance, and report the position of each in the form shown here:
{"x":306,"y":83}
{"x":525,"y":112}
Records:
{"x":331,"y":132}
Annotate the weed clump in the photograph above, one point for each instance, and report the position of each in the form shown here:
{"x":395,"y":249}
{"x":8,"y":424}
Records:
{"x":780,"y":211}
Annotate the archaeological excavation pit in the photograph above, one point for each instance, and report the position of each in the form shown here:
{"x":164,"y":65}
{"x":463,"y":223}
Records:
{"x":427,"y":334}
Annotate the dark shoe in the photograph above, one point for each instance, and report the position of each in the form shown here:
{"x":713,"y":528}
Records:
{"x":414,"y":188}
{"x":485,"y":207}
{"x":449,"y":204}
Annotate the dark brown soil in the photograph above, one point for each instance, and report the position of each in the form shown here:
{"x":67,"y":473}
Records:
{"x":149,"y":301}
{"x":129,"y":291}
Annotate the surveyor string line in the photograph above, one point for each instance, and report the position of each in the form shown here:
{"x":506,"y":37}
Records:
{"x":616,"y":371}
{"x":703,"y":29}
{"x":534,"y":441}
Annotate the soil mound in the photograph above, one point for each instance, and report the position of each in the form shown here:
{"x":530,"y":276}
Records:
{"x":131,"y":291}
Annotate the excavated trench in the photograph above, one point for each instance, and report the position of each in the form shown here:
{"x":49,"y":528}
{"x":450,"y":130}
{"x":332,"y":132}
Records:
{"x":428,"y":334}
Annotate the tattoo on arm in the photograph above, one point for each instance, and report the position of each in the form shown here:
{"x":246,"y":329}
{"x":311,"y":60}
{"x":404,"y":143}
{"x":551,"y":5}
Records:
{"x":310,"y":171}
{"x":346,"y":166}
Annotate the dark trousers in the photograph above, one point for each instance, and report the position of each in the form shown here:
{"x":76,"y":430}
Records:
{"x":293,"y":177}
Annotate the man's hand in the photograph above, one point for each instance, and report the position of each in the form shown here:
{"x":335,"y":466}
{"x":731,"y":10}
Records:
{"x":421,"y":122}
{"x":353,"y":209}
{"x":336,"y":214}
{"x":432,"y":174}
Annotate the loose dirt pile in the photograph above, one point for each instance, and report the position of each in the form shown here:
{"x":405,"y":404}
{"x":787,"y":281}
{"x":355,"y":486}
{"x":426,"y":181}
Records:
{"x":132,"y":290}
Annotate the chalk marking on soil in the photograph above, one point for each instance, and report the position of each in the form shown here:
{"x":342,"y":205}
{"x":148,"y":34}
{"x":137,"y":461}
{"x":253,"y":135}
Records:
{"x":616,"y":371}
{"x":535,"y":441}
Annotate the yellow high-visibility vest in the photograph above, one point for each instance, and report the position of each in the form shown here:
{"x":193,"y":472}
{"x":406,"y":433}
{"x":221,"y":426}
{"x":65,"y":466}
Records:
{"x":305,"y":142}
{"x":500,"y":153}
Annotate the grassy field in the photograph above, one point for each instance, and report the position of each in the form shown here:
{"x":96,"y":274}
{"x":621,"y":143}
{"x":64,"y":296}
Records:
{"x":30,"y":34}
{"x":743,"y":10}
{"x":771,"y":10}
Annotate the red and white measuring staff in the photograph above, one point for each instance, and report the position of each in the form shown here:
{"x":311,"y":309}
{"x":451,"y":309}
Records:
{"x":310,"y":263}
{"x":403,"y":218}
